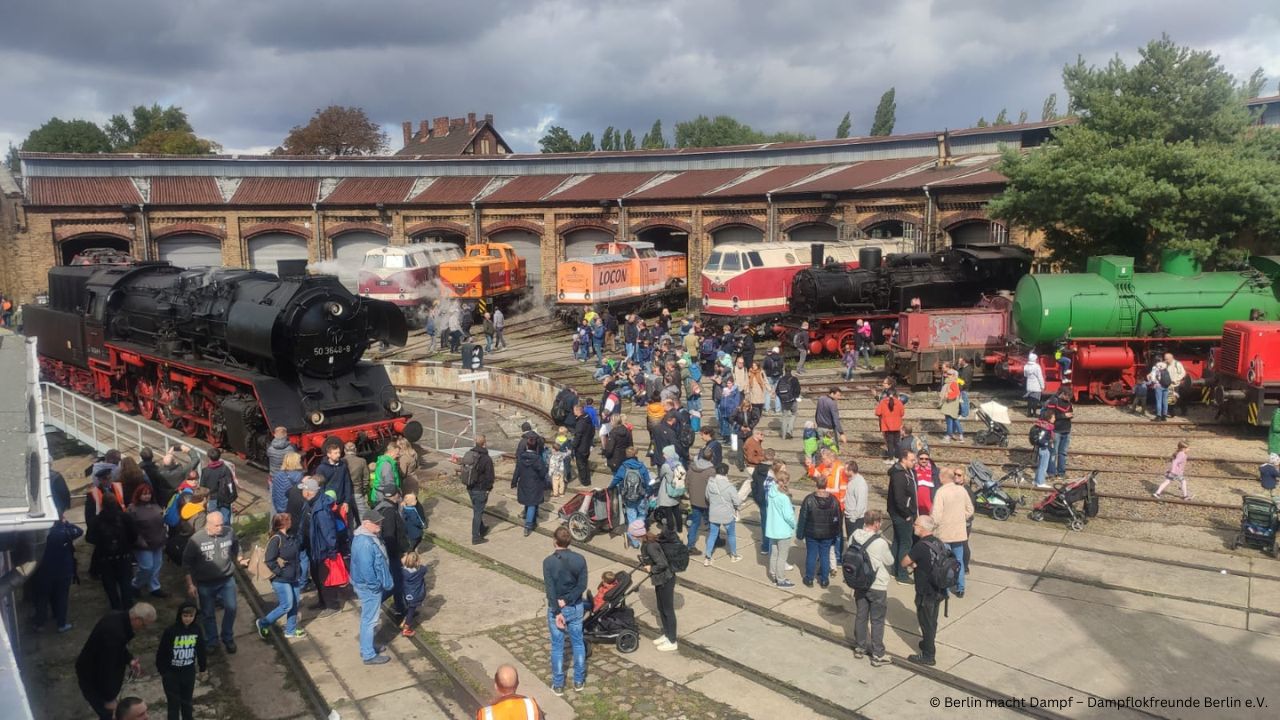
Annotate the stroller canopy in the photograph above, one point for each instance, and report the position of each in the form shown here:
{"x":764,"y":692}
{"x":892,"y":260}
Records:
{"x":997,"y":412}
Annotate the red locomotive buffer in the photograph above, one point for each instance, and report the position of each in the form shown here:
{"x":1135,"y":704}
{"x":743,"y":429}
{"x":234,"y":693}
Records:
{"x":1244,"y":372}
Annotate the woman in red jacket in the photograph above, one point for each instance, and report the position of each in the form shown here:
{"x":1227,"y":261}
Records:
{"x":890,"y":411}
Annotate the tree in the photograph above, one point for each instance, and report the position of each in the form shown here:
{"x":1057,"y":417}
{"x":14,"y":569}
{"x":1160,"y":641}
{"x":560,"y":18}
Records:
{"x":1050,"y":109}
{"x":125,"y":134}
{"x":67,"y":136}
{"x":723,"y":130}
{"x":1253,"y":86}
{"x":606,"y":139}
{"x":1162,"y":157}
{"x":1002,"y":118}
{"x":628,"y":140}
{"x":335,"y":130}
{"x":558,"y":140}
{"x":587,"y":142}
{"x":175,"y":142}
{"x":1022,"y":117}
{"x":842,"y":130}
{"x":653,"y":140}
{"x":982,"y":122}
{"x":11,"y":159}
{"x":886,"y":113}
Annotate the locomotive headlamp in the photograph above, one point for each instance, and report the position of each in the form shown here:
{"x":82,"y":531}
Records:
{"x":335,"y":309}
{"x":706,"y":301}
{"x":586,"y":295}
{"x":561,"y":294}
{"x":394,"y":406}
{"x":316,"y":418}
{"x":735,"y":303}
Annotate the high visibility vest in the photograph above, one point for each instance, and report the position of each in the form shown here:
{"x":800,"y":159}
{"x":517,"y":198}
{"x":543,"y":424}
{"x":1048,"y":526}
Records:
{"x":511,"y":707}
{"x":837,"y":482}
{"x":117,"y":489}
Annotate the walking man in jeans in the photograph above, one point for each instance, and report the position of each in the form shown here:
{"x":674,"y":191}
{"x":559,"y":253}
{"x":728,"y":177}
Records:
{"x":209,"y":558}
{"x":477,"y":475}
{"x":564,"y":573}
{"x":902,"y":509}
{"x":873,"y":603}
{"x":772,"y":374}
{"x":499,"y":322}
{"x":371,"y":579}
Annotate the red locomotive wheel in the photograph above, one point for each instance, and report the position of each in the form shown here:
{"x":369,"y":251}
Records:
{"x":1114,"y":394}
{"x":144,"y":393}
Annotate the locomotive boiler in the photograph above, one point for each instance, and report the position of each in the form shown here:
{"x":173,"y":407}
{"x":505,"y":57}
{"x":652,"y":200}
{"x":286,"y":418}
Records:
{"x":955,"y":277}
{"x":224,"y":354}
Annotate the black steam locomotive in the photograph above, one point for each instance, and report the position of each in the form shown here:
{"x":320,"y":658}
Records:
{"x":224,"y":354}
{"x":955,"y":277}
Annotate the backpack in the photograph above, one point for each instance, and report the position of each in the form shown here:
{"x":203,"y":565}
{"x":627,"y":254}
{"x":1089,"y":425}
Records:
{"x":633,"y":490}
{"x":859,"y":572}
{"x":1040,"y":435}
{"x":676,"y":551}
{"x":563,"y":405}
{"x":1165,"y":378}
{"x":676,"y":486}
{"x":945,"y":569}
{"x":468,"y":471}
{"x":684,"y":431}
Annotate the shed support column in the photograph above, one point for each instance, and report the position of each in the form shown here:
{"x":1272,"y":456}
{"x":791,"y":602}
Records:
{"x":699,"y":243}
{"x":234,"y":253}
{"x":316,"y":250}
{"x":551,"y":252}
{"x":397,"y":230}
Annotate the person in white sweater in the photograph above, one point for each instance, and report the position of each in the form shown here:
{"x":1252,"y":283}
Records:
{"x":872,"y":604}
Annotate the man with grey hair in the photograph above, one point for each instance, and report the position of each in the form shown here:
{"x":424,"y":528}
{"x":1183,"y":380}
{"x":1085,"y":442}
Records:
{"x":102,"y":662}
{"x":920,"y":562}
{"x":209,"y":559}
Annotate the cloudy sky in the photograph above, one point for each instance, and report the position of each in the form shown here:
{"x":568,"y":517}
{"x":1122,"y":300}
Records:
{"x":248,"y":70}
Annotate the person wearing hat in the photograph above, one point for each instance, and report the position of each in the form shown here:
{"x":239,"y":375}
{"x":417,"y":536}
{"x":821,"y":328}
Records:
{"x":1269,"y":473}
{"x":395,"y":538}
{"x":772,"y":374}
{"x":564,"y":575}
{"x":654,"y":561}
{"x":1034,"y":376}
{"x":371,"y":579}
{"x":316,"y":526}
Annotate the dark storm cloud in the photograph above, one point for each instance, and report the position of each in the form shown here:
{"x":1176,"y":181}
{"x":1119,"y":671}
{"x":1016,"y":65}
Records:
{"x":248,"y":71}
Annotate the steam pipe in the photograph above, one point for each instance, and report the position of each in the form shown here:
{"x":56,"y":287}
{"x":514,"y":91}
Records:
{"x":928,"y":218}
{"x":769,"y":217}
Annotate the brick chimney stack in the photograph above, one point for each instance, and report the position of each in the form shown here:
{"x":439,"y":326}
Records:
{"x":471,"y":122}
{"x":488,"y":118}
{"x":424,"y":129}
{"x":441,"y":127}
{"x":407,"y":127}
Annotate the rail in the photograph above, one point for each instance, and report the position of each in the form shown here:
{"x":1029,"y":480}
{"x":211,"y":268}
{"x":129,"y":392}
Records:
{"x":102,"y":428}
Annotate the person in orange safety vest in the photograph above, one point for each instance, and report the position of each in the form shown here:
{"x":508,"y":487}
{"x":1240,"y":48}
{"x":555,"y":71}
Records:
{"x":509,"y":705}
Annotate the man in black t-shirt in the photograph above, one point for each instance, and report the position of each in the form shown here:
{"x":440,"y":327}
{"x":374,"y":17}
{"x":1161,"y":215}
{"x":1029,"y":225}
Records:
{"x":920,"y":562}
{"x":1063,"y":411}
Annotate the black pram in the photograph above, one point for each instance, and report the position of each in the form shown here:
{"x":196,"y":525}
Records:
{"x":614,"y":622}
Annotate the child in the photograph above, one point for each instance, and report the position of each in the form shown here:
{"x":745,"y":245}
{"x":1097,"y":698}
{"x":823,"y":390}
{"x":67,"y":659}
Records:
{"x":414,"y":574}
{"x":414,"y":523}
{"x":608,"y":581}
{"x":181,"y":650}
{"x":850,"y":359}
{"x":811,"y":442}
{"x":1177,"y":468}
{"x":558,"y":467}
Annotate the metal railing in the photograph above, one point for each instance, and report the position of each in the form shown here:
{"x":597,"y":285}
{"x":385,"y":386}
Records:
{"x":102,"y":428}
{"x":438,"y":425}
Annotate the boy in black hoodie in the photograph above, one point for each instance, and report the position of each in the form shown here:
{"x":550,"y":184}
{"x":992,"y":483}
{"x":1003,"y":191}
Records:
{"x":181,"y":650}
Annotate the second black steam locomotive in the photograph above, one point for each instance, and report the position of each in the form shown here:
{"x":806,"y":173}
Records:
{"x":224,"y":354}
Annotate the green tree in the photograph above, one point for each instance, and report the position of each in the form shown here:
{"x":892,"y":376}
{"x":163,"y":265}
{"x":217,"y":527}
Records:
{"x":1163,"y":157}
{"x":607,"y":139}
{"x":1253,"y":86}
{"x":1050,"y":109}
{"x":723,"y":130}
{"x":587,"y":142}
{"x":982,"y":122}
{"x":558,"y":140}
{"x":1002,"y":118}
{"x":628,"y":140}
{"x":67,"y":136}
{"x":11,"y":159}
{"x":653,"y":140}
{"x":126,"y":133}
{"x":846,"y":125}
{"x":886,"y":113}
{"x":335,"y":130}
{"x":175,"y":142}
{"x":1022,"y":117}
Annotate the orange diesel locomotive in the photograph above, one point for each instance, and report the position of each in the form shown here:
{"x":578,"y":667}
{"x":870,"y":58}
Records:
{"x":491,"y":272}
{"x":623,"y":277}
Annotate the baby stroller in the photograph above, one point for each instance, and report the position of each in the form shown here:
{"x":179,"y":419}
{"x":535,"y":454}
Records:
{"x":1061,"y":502}
{"x":591,"y":511}
{"x":996,"y":419}
{"x":614,"y":622}
{"x":1259,"y":521}
{"x":989,"y":496}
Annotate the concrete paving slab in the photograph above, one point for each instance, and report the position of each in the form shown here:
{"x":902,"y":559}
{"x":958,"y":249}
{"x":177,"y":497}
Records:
{"x":480,"y":656}
{"x":1068,"y":642}
{"x":1266,"y":624}
{"x":1000,"y":576}
{"x":1021,"y":685}
{"x":819,"y":667}
{"x":1040,"y":532}
{"x":1157,"y":551}
{"x":456,"y":524}
{"x":1144,"y":576}
{"x":1264,"y":594}
{"x":676,"y":667}
{"x":337,"y":640}
{"x":471,"y":586}
{"x":411,"y":703}
{"x":913,"y":699}
{"x":756,"y":700}
{"x":1010,"y":553}
{"x":1184,"y":609}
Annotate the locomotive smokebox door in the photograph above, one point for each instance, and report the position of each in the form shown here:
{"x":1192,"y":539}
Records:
{"x":472,"y":356}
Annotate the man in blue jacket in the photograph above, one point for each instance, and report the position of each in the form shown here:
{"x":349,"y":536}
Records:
{"x":371,"y":579}
{"x":337,"y":477}
{"x":636,"y":504}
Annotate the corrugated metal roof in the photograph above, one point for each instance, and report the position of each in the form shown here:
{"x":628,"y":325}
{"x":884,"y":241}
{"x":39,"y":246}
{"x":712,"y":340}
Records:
{"x":276,"y":191}
{"x":366,"y":191}
{"x":452,"y":190}
{"x":769,"y":181}
{"x":84,"y":191}
{"x":855,"y":176}
{"x":691,"y":183}
{"x":529,"y":188}
{"x":185,"y":191}
{"x":606,"y":186}
{"x":930,"y":175}
{"x":982,"y":177}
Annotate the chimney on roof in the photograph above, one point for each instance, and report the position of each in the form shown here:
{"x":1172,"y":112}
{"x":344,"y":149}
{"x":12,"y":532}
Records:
{"x":424,"y":130}
{"x":457,"y":123}
{"x":944,"y":150}
{"x":407,"y":127}
{"x":441,"y":126}
{"x":488,"y":118}
{"x":471,"y":122}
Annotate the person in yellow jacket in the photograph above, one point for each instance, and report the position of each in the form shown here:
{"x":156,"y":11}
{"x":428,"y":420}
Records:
{"x":509,"y":705}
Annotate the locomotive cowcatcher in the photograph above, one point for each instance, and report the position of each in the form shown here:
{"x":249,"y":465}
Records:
{"x":224,"y":354}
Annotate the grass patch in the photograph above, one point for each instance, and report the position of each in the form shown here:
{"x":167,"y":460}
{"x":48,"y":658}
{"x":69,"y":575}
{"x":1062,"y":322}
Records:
{"x":253,"y":527}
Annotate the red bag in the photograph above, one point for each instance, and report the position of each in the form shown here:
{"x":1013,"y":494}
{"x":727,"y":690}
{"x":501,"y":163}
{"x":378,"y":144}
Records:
{"x":335,"y":572}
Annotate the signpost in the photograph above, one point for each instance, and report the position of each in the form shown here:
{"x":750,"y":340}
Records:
{"x":472,"y":378}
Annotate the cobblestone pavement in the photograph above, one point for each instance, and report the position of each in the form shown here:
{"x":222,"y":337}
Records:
{"x":617,"y":689}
